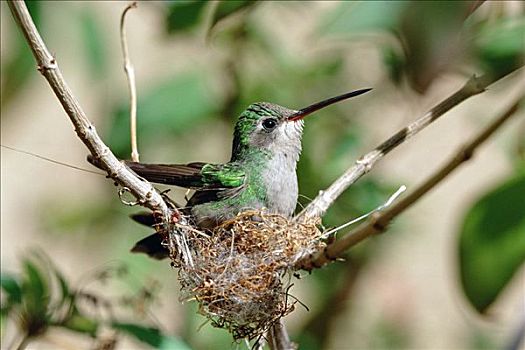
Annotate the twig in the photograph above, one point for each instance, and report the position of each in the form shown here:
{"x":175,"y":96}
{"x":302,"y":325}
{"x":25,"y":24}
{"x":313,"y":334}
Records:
{"x":130,"y":74}
{"x":279,"y":339}
{"x":518,"y":337}
{"x":473,"y":7}
{"x":48,"y":67}
{"x":321,"y":323}
{"x":380,"y":220}
{"x":363,"y":165}
{"x":22,"y":344}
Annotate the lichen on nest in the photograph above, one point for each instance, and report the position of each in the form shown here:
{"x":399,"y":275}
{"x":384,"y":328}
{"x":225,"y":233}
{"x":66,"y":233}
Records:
{"x":240,"y":272}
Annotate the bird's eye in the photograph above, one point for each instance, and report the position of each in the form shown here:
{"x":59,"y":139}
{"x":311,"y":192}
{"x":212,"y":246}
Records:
{"x":269,"y":124}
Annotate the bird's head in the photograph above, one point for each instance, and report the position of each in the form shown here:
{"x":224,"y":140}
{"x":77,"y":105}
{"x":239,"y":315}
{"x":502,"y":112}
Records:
{"x":273,"y":128}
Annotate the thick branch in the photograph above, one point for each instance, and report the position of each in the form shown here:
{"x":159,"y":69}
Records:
{"x":47,"y":65}
{"x":326,"y":198}
{"x":380,"y":221}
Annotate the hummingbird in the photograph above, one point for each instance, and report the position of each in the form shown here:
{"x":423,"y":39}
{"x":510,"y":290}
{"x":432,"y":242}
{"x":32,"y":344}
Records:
{"x":261,"y":172}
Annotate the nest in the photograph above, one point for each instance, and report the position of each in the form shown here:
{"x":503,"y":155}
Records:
{"x":240,"y":272}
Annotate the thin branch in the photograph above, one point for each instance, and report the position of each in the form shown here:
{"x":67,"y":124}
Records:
{"x":279,"y":339}
{"x":24,"y":341}
{"x":380,"y":221}
{"x":130,"y":74}
{"x":363,"y":165}
{"x":518,"y":337}
{"x":48,"y":67}
{"x":473,"y":7}
{"x":321,"y":324}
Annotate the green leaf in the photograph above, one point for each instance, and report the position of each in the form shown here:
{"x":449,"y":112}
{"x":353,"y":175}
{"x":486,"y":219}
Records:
{"x":17,"y":70}
{"x":394,"y":61}
{"x":70,"y":216}
{"x":436,"y":46}
{"x":35,"y":283}
{"x":19,"y":61}
{"x":35,"y":291}
{"x":151,"y":336}
{"x":11,"y":287}
{"x":183,"y":15}
{"x":93,"y":40}
{"x":363,"y":16}
{"x":35,"y":299}
{"x":428,"y":49}
{"x":226,"y":8}
{"x":173,"y":343}
{"x":170,"y":108}
{"x":57,"y":274}
{"x":492,"y":242}
{"x":64,"y":288}
{"x":80,"y":323}
{"x":499,"y":45}
{"x":34,"y":8}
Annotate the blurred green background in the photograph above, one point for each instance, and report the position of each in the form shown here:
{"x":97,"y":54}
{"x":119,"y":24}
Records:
{"x":442,"y":277}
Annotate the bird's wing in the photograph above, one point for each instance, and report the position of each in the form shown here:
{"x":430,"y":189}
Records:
{"x":192,"y":175}
{"x":206,"y":195}
{"x":152,"y":246}
{"x":183,"y":175}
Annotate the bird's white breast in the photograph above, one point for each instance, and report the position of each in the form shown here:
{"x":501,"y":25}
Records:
{"x":280,"y":174}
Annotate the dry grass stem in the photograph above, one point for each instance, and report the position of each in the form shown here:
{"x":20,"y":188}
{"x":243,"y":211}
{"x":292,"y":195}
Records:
{"x":130,"y":74}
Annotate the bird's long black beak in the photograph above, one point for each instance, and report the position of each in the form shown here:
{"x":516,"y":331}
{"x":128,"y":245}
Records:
{"x":300,"y":114}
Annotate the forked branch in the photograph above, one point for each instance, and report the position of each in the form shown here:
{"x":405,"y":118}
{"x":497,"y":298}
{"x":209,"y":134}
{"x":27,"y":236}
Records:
{"x":147,"y":196}
{"x":380,"y":220}
{"x":363,"y":165}
{"x":47,"y":65}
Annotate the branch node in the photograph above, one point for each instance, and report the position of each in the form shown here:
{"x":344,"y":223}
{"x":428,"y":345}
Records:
{"x":321,"y":203}
{"x":80,"y":133}
{"x":475,"y":85}
{"x":379,"y":222}
{"x":327,"y":255}
{"x":365,"y":162}
{"x":43,"y":68}
{"x":378,"y":225}
{"x":465,"y":153}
